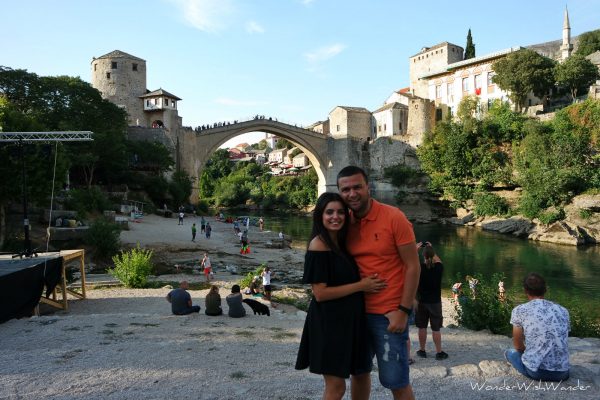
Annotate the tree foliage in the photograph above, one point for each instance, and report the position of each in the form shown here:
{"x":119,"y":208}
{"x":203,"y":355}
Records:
{"x":522,"y":72}
{"x":589,"y":42}
{"x":470,"y":47}
{"x":575,"y":72}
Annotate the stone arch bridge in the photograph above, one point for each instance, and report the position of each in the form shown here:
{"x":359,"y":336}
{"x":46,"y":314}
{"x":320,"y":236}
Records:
{"x":325,"y":153}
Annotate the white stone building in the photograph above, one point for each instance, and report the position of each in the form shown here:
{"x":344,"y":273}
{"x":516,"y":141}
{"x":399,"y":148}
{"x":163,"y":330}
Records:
{"x":300,"y":161}
{"x":278,"y":155}
{"x":390,"y":120}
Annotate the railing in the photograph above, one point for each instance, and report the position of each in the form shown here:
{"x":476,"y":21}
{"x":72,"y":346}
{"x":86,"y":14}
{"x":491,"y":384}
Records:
{"x":257,"y":117}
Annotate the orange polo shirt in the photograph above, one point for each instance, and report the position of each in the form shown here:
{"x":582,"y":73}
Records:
{"x":373,"y":242}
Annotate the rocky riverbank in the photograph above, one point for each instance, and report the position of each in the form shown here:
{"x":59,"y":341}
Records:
{"x":581,"y":224}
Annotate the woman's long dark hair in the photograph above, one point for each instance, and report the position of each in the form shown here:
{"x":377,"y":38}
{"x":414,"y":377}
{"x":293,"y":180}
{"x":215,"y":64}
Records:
{"x":428,"y":254}
{"x":318,"y":229}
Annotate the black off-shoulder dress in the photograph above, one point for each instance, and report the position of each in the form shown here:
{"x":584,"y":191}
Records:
{"x":334,"y":340}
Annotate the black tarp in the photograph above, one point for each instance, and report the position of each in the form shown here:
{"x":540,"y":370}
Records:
{"x":22,"y":282}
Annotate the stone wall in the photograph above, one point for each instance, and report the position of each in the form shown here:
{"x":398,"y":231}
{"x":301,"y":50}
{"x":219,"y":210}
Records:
{"x":141,"y":134}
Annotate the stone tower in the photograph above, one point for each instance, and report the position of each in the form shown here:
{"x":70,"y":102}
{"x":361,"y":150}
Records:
{"x":121,"y":78}
{"x":567,"y":46}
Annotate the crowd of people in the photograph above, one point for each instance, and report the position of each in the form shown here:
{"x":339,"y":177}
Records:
{"x":369,"y":277}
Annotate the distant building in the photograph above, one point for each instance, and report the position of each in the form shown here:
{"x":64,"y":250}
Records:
{"x":277,"y":155}
{"x":350,"y":122}
{"x":301,"y":160}
{"x":390,"y":120}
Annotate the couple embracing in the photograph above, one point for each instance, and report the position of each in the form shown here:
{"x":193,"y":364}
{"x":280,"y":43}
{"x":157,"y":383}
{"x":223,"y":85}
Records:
{"x":364,"y":270}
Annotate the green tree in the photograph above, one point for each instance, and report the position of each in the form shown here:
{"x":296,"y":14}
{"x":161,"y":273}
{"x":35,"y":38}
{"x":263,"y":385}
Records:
{"x":575,"y":72}
{"x":283,"y":143}
{"x":218,"y":166}
{"x":589,"y":42}
{"x":150,"y":156}
{"x":180,"y":187}
{"x":523,"y":72}
{"x":470,"y":47}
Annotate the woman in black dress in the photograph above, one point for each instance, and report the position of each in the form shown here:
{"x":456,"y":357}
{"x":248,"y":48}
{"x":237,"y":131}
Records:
{"x":334,"y":340}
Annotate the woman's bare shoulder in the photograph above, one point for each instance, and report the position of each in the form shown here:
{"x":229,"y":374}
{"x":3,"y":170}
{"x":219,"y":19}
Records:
{"x":317,"y":244}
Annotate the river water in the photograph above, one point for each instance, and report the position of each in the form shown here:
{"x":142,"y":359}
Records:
{"x":569,"y":271}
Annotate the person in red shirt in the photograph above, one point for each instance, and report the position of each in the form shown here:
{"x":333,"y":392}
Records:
{"x":382,"y":241}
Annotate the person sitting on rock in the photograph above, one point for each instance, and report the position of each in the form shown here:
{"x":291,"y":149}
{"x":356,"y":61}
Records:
{"x":234,"y":301}
{"x":213,"y":302}
{"x":181,"y":301}
{"x":544,"y":327}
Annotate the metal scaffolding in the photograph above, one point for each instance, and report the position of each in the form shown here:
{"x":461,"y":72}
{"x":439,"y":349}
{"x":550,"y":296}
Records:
{"x":29,"y":137}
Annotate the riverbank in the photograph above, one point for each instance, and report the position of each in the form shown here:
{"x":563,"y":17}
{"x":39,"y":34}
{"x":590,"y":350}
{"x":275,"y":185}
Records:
{"x":125,"y":344}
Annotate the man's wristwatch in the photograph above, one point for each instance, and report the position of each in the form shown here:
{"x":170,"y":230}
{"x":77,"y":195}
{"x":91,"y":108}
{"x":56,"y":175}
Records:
{"x":405,"y":309}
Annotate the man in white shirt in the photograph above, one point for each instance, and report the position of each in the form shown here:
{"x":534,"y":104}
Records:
{"x":540,"y":335}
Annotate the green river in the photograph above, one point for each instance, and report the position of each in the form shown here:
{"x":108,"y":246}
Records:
{"x":569,"y":271}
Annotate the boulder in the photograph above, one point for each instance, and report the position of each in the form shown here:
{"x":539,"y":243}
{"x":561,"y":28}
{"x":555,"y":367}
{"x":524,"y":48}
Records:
{"x":561,"y":233}
{"x":518,"y":226}
{"x":588,"y":202}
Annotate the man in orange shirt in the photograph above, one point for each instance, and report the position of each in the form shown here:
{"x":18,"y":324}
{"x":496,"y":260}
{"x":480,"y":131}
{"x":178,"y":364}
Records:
{"x":382,"y":242}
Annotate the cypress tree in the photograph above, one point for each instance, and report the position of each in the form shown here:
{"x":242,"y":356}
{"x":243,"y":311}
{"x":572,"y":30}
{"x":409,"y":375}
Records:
{"x":470,"y":48}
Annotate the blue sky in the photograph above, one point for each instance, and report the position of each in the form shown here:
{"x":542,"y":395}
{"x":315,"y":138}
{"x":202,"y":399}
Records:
{"x":294,"y":60}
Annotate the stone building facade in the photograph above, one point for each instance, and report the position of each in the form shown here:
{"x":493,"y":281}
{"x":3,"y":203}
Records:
{"x":351,"y":122}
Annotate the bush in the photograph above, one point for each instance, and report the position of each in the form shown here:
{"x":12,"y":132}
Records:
{"x":202,"y":207}
{"x":247,"y":280}
{"x":585,"y":320}
{"x":484,"y":309}
{"x":103,"y":236}
{"x":490,"y":204}
{"x":88,"y":201}
{"x":550,"y":216}
{"x":133,"y":267}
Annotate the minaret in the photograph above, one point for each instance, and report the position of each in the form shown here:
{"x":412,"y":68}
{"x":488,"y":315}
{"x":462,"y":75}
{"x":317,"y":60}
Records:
{"x":567,"y":46}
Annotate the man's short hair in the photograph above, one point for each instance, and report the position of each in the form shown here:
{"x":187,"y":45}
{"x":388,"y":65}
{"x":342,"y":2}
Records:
{"x":349,"y":171}
{"x":235,"y":289}
{"x":534,"y":284}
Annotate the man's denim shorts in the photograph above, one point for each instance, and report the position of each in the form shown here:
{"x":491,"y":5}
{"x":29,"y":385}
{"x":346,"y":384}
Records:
{"x":391,"y":352}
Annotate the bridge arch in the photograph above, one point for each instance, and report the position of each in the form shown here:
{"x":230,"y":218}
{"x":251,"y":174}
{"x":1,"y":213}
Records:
{"x":196,"y":151}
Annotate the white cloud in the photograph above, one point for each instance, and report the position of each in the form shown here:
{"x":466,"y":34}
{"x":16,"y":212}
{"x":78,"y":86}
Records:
{"x":324,"y":53}
{"x":205,"y":15}
{"x":227,"y":101}
{"x":254,"y":27}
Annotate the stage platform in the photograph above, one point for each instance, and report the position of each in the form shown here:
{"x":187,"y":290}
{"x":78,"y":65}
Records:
{"x":23,"y":280}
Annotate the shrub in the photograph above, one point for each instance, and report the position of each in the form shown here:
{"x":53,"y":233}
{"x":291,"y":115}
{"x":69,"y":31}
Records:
{"x":88,"y":201}
{"x":550,"y":216}
{"x":490,"y":204}
{"x":103,"y":236}
{"x":202,"y":207}
{"x":585,"y":320}
{"x":133,"y":267}
{"x":484,"y":309}
{"x":247,"y":280}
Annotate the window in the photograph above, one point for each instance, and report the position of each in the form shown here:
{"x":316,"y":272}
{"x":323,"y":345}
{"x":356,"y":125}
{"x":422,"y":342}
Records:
{"x":166,"y":102}
{"x":134,"y":67}
{"x":95,"y":65}
{"x":337,"y":128}
{"x":465,"y":84}
{"x":113,"y":65}
{"x":478,"y":81}
{"x":438,"y":114}
{"x":450,"y":89}
{"x":379,"y":128}
{"x":438,"y":92}
{"x":108,"y":75}
{"x":490,"y":77}
{"x":400,"y":126}
{"x":147,"y":103}
{"x":385,"y":127}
